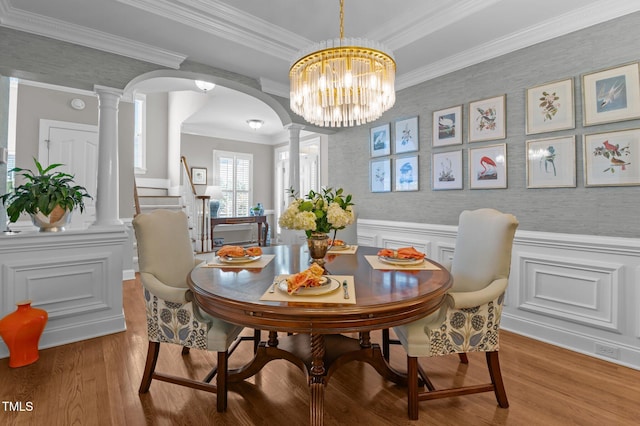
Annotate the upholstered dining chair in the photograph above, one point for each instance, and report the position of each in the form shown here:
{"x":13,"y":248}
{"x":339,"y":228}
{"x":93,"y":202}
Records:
{"x":469,"y":321}
{"x":165,"y":257}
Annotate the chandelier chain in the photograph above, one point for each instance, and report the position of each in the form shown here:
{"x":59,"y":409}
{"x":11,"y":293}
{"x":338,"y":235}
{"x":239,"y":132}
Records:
{"x":341,"y":19}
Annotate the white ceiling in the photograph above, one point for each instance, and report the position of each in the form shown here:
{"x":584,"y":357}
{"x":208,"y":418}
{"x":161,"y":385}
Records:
{"x":260,"y":38}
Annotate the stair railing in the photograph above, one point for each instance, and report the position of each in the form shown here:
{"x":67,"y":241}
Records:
{"x":197,"y":209}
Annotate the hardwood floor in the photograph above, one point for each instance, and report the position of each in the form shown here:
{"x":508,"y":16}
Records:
{"x":95,"y":382}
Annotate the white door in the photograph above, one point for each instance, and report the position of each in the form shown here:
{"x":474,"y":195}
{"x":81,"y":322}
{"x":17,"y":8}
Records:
{"x":76,"y":147}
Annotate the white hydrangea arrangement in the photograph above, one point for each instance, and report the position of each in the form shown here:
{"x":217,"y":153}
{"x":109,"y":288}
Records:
{"x":318,"y":211}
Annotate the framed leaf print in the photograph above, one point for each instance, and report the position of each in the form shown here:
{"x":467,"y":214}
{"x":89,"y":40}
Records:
{"x":551,"y":163}
{"x":407,"y":135}
{"x":380,"y":175}
{"x":447,"y":126}
{"x":447,"y":170}
{"x":487,"y":119}
{"x":612,"y":158}
{"x":611,"y":95}
{"x":488,"y":167}
{"x":550,"y":107}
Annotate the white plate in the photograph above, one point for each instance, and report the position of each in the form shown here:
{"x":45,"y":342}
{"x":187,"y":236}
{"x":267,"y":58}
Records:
{"x":396,"y":261}
{"x":330,"y":285}
{"x":243,"y":259}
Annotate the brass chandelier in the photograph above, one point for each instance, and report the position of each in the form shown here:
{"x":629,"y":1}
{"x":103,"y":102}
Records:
{"x":342,"y":82}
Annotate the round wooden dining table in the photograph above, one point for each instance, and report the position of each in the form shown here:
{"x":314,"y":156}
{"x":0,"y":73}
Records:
{"x":384,"y":298}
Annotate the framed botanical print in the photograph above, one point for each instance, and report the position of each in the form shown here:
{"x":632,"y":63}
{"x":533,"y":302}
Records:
{"x":407,"y":135}
{"x":551,"y":163}
{"x":550,"y":107}
{"x":487,"y":119}
{"x":612,"y":158}
{"x":488,"y":167}
{"x":199,"y":176}
{"x":611,"y":95}
{"x":380,"y":175}
{"x":447,"y":170}
{"x":380,"y":141}
{"x":447,"y":126}
{"x":407,"y":173}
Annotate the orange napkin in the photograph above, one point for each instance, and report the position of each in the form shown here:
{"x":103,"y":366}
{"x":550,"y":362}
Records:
{"x":237,"y":251}
{"x":402,"y":253}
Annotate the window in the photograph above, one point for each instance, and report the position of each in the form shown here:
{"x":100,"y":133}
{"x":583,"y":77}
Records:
{"x":234,"y":174}
{"x":11,"y":136}
{"x":139,"y":141}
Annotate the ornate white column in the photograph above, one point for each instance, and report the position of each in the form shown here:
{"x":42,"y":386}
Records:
{"x":294,"y":155}
{"x":107,"y":197}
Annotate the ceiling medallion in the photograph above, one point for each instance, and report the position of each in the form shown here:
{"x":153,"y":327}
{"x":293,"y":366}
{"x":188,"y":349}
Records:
{"x":343,"y":82}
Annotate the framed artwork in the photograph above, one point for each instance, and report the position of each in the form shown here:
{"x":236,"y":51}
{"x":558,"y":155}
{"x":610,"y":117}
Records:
{"x":488,"y":167}
{"x":487,"y":119}
{"x":199,"y":176}
{"x":551,"y":163}
{"x":612,"y":158}
{"x":380,"y":141}
{"x":447,"y":126}
{"x":611,"y":95}
{"x":407,"y":173}
{"x":380,"y":175}
{"x":550,"y":107}
{"x":447,"y":170}
{"x":407,"y":135}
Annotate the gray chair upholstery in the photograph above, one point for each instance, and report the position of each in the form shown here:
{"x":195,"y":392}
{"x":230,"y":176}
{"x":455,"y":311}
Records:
{"x":165,"y":257}
{"x":469,"y":321}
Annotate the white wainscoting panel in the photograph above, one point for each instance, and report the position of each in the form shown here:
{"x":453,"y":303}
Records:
{"x":76,"y":276}
{"x":580,"y":292}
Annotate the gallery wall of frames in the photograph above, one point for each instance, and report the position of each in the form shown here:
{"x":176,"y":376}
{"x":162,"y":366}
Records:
{"x":610,"y":158}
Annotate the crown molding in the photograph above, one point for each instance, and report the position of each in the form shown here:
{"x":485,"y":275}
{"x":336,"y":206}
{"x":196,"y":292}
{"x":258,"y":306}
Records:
{"x":229,"y":134}
{"x":17,"y":19}
{"x":220,"y":19}
{"x":558,"y":26}
{"x":404,"y":30}
{"x":275,"y":88}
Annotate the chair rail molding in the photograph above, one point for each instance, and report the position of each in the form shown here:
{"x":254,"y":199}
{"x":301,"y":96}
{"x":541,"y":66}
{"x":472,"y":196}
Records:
{"x":76,"y":276}
{"x":574,"y":291}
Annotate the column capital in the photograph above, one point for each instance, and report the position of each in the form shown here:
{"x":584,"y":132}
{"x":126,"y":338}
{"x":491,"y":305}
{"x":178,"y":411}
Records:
{"x":100,"y":90}
{"x":294,"y":127}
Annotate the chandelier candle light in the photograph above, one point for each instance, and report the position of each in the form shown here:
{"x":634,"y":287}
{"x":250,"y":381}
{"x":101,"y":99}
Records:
{"x":343,"y":82}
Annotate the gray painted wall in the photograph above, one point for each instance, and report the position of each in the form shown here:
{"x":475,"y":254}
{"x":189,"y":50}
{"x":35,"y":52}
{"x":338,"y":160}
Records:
{"x":157,"y":135}
{"x":611,"y":211}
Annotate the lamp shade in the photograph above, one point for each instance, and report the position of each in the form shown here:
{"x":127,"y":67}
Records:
{"x":214,"y":192}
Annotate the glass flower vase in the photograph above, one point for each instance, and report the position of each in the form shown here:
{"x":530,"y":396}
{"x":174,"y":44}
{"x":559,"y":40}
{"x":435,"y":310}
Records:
{"x":318,"y":245}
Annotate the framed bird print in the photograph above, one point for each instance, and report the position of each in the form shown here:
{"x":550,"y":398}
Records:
{"x":488,"y":167}
{"x":380,"y":175}
{"x":407,"y":173}
{"x":611,"y":95}
{"x":487,"y":119}
{"x":612,"y":158}
{"x":550,"y":107}
{"x":447,"y":126}
{"x":380,"y":141}
{"x":447,"y":170}
{"x":551,"y":163}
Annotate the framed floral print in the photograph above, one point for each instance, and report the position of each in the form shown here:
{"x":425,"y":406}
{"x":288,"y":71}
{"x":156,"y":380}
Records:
{"x":447,"y":126}
{"x":488,"y":167}
{"x":551,"y":163}
{"x":380,"y":141}
{"x":199,"y":176}
{"x":487,"y":119}
{"x":447,"y":170}
{"x":550,"y":107}
{"x":407,"y":173}
{"x":380,"y":175}
{"x":611,"y":95}
{"x":407,"y":135}
{"x":612,"y":158}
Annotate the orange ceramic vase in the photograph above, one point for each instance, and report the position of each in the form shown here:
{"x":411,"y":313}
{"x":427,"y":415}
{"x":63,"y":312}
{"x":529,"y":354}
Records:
{"x":21,"y":331}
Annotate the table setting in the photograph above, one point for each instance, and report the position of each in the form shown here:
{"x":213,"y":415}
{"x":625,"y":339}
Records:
{"x":404,"y":258}
{"x":237,"y":257}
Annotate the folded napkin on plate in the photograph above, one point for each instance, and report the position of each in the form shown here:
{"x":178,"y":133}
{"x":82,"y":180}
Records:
{"x":237,"y":251}
{"x":402,"y":253}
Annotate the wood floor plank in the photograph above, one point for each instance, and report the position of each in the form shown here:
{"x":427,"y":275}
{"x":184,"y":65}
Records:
{"x":95,"y":382}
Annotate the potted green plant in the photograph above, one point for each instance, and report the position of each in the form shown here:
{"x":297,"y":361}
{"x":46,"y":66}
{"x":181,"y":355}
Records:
{"x":49,"y":197}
